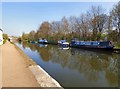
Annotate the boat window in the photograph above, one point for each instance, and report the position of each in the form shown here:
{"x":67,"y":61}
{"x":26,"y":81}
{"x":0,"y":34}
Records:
{"x":104,"y":43}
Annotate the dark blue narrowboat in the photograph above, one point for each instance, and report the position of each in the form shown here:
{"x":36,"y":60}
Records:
{"x":107,"y":45}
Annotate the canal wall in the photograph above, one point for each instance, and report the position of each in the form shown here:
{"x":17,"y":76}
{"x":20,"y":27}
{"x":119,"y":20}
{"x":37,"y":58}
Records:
{"x":42,"y":77}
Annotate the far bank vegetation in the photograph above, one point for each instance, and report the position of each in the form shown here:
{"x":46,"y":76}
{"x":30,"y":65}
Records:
{"x":94,"y":25}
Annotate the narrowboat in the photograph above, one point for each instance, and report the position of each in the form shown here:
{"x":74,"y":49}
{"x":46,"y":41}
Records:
{"x":33,"y":42}
{"x":104,"y":45}
{"x":42,"y":45}
{"x":42,"y":41}
{"x":63,"y":43}
{"x":63,"y":48}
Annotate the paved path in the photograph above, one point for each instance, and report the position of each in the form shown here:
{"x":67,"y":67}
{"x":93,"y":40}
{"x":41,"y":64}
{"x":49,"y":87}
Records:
{"x":0,"y":66}
{"x":15,"y":73}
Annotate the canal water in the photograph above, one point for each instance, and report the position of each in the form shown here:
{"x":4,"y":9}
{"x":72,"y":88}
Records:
{"x":75,"y":67}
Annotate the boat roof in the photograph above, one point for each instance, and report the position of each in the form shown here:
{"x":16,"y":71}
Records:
{"x":65,"y":43}
{"x":93,"y":41}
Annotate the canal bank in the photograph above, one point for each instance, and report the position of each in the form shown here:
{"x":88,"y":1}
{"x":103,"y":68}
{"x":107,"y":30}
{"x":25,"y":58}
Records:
{"x":74,"y":67}
{"x":18,"y":70}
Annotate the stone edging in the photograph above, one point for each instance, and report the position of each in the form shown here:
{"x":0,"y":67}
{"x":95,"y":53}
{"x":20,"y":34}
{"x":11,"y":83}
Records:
{"x":42,"y":77}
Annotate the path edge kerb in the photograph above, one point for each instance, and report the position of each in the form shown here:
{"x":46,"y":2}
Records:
{"x":28,"y":60}
{"x":30,"y":64}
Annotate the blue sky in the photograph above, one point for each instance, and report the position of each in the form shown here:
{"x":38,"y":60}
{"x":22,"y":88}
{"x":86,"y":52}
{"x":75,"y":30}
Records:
{"x":59,"y":0}
{"x":18,"y":17}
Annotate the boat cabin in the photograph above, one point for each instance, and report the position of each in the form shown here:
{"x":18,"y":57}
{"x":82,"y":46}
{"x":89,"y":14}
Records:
{"x":63,"y":43}
{"x":92,"y":44}
{"x":42,"y":40}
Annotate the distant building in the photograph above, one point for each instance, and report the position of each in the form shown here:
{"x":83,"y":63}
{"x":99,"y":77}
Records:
{"x":1,"y":36}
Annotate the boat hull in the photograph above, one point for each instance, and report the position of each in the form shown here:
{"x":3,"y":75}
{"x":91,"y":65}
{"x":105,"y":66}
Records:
{"x":43,"y":42}
{"x":93,"y":48}
{"x":63,"y":45}
{"x":99,"y":45}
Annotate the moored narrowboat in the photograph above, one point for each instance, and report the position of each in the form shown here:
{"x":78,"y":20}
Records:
{"x":63,"y":43}
{"x":33,"y":42}
{"x":43,"y":45}
{"x":42,"y":41}
{"x":92,"y":44}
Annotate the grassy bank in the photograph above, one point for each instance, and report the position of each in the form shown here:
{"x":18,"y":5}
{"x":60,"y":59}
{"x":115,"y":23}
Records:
{"x":117,"y":45}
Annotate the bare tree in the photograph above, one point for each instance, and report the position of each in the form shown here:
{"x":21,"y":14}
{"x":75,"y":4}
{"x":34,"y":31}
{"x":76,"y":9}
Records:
{"x":32,"y":35}
{"x":24,"y":36}
{"x":65,"y":25}
{"x":84,"y":26}
{"x":55,"y":27}
{"x":116,"y":16}
{"x":72,"y":21}
{"x":96,"y":19}
{"x":109,"y":23}
{"x":44,"y":30}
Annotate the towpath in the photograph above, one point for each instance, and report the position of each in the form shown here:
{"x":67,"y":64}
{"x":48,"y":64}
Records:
{"x":15,"y":72}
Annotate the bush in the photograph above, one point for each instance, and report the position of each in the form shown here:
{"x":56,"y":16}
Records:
{"x":4,"y":41}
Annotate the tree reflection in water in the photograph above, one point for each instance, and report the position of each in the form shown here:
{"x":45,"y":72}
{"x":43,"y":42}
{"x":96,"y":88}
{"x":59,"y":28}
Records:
{"x":88,"y":63}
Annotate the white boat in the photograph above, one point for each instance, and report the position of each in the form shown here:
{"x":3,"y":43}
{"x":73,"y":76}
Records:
{"x":43,"y":41}
{"x":63,"y":43}
{"x":63,"y":48}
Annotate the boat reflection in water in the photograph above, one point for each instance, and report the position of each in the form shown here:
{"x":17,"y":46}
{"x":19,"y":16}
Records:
{"x":42,"y":45}
{"x":63,"y":48}
{"x":76,"y":67}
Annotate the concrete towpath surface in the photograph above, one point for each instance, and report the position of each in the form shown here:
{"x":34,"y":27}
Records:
{"x":15,"y":73}
{"x":0,"y":67}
